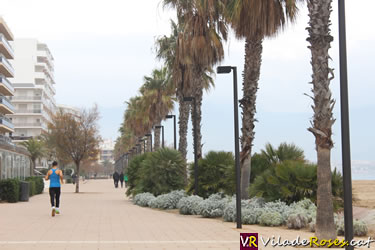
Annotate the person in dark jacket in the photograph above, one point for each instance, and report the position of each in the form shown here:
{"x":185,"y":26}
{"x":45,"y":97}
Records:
{"x":116,"y":178}
{"x":122,"y":179}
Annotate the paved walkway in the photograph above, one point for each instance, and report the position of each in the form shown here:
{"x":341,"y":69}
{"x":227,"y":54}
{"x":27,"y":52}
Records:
{"x":101,"y":217}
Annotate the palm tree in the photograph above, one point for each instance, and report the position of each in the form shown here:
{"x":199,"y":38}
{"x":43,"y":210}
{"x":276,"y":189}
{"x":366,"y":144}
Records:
{"x":254,"y":20}
{"x":36,"y":149}
{"x":168,"y":49}
{"x":284,"y":152}
{"x":320,"y":40}
{"x":158,"y":93}
{"x":203,"y":32}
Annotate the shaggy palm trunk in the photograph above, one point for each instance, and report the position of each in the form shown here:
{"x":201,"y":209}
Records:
{"x":77,"y":178}
{"x":183,"y":121}
{"x":198,"y":95}
{"x":32,"y":167}
{"x":320,"y":39}
{"x":157,"y":137}
{"x":253,"y":61}
{"x":149,"y":145}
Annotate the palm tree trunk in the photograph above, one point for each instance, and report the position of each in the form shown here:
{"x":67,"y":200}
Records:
{"x":33,"y":164}
{"x":320,"y":40}
{"x":198,"y":94}
{"x":149,"y":144}
{"x":77,"y":178}
{"x":253,"y":61}
{"x":183,"y":120}
{"x":157,"y":137}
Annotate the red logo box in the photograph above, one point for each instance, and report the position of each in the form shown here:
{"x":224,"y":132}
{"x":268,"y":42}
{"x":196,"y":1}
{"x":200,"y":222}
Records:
{"x":248,"y":241}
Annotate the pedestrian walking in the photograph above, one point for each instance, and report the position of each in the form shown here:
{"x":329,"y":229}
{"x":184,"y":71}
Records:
{"x":56,"y":178}
{"x":122,"y":179}
{"x":116,"y":178}
{"x":126,"y":180}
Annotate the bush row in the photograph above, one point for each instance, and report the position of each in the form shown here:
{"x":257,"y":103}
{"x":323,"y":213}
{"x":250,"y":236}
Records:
{"x":10,"y":188}
{"x":158,"y":172}
{"x":296,"y":215}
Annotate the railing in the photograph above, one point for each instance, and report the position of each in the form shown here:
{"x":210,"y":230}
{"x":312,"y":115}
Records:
{"x":6,"y":122}
{"x":6,"y":102}
{"x":7,"y":44}
{"x":29,"y":111}
{"x":5,"y":81}
{"x":27,"y":124}
{"x":6,"y":63}
{"x":25,"y":98}
{"x":20,"y":138}
{"x":6,"y":139}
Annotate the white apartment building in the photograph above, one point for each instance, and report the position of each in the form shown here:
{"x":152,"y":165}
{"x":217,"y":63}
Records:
{"x":68,"y":109}
{"x":34,"y":89}
{"x":14,"y":160}
{"x":106,"y":151}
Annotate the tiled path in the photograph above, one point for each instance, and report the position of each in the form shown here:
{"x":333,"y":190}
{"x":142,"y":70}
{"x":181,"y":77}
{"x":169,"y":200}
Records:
{"x":101,"y":217}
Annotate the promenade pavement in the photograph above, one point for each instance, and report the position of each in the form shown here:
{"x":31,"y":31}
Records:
{"x":101,"y":217}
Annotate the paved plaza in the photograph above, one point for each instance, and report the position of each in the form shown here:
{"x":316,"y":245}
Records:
{"x":101,"y":217}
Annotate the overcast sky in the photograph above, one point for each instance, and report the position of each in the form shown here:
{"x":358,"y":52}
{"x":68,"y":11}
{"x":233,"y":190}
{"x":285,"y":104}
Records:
{"x":102,"y":50}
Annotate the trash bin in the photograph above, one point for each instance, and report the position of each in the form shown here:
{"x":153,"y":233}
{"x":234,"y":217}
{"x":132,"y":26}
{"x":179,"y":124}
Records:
{"x":24,"y":190}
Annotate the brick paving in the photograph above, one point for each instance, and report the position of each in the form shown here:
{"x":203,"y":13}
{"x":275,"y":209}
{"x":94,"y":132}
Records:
{"x":101,"y":217}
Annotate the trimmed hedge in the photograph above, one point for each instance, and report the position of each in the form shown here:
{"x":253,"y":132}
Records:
{"x":37,"y":182}
{"x":9,"y":190}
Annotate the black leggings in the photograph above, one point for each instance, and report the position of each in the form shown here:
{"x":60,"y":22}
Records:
{"x":54,"y":194}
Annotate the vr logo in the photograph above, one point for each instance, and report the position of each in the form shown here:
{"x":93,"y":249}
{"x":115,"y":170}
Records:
{"x":249,"y":241}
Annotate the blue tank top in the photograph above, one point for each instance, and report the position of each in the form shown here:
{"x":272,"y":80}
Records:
{"x":54,"y":179}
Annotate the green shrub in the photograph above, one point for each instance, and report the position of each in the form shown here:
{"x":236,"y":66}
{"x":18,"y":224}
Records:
{"x":161,"y":172}
{"x":134,"y":175}
{"x":216,"y":173}
{"x":143,"y":199}
{"x":38,"y":182}
{"x":32,"y":188}
{"x":271,"y":218}
{"x":9,"y":190}
{"x":189,"y":205}
{"x":167,"y":201}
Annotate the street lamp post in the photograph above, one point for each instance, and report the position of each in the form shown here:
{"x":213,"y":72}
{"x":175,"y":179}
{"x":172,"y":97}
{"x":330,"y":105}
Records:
{"x":150,"y":135}
{"x":189,"y":99}
{"x":175,"y":134}
{"x":227,"y":70}
{"x":345,"y":132}
{"x":162,"y":134}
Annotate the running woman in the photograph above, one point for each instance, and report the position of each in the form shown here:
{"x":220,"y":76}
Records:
{"x":55,"y":176}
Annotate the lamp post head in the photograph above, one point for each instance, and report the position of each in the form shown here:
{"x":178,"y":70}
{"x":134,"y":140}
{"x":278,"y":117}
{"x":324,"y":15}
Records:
{"x":223,"y":69}
{"x":188,"y":99}
{"x":169,"y":116}
{"x":159,"y":126}
{"x":148,"y":134}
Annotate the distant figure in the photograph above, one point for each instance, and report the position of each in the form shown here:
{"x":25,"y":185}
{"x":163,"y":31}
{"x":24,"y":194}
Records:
{"x":56,"y":178}
{"x":116,"y":178}
{"x":126,"y":180}
{"x":122,"y":178}
{"x":74,"y":176}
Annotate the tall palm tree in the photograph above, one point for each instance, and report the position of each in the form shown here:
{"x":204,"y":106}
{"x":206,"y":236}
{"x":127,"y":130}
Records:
{"x":158,"y":94}
{"x":168,"y":48}
{"x":36,"y":149}
{"x":253,"y":21}
{"x":204,"y":30}
{"x":320,"y":40}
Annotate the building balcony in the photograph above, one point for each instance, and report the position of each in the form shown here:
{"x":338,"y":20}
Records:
{"x":6,"y":125}
{"x":25,"y":98}
{"x":6,"y":108}
{"x":43,"y":55}
{"x":28,"y":111}
{"x":5,"y":48}
{"x":6,"y":68}
{"x":20,"y":138}
{"x":6,"y":87}
{"x":25,"y":125}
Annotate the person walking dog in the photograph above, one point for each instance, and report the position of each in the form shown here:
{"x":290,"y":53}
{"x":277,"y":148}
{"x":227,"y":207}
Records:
{"x":56,"y":178}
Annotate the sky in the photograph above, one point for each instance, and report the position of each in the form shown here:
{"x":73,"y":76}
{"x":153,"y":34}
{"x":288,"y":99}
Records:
{"x":102,"y":50}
